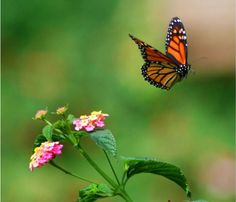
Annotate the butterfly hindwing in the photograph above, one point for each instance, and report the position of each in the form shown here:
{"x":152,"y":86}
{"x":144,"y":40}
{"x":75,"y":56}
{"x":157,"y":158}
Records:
{"x":160,"y":74}
{"x":176,"y":42}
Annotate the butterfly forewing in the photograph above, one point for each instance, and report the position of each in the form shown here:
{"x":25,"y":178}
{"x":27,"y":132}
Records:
{"x":176,"y":42}
{"x":149,"y":53}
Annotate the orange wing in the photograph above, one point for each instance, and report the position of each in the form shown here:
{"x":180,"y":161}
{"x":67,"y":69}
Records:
{"x":162,"y":75}
{"x":176,"y":42}
{"x":161,"y":70}
{"x":149,"y":53}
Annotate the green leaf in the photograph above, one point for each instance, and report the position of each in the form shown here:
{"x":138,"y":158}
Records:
{"x":39,"y":140}
{"x":74,"y":140}
{"x":79,"y":134}
{"x":70,"y":118}
{"x":61,"y":125}
{"x":129,"y":160}
{"x":94,"y":192}
{"x":200,"y":200}
{"x":58,"y":137}
{"x":105,"y":140}
{"x":47,"y":132}
{"x":173,"y":173}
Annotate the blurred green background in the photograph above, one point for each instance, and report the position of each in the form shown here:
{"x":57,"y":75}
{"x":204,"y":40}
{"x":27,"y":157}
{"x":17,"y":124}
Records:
{"x":79,"y":53}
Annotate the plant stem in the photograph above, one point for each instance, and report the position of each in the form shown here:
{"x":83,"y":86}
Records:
{"x":123,"y":178}
{"x":69,"y":173}
{"x":112,"y":168}
{"x":95,"y":166}
{"x":120,"y":189}
{"x":49,"y":123}
{"x":125,"y":196}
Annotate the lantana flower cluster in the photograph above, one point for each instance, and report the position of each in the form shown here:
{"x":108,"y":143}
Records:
{"x":91,"y":122}
{"x":44,"y":153}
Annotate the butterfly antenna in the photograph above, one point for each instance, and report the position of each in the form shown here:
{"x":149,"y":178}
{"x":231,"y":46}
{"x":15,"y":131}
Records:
{"x":131,"y":36}
{"x":192,"y":70}
{"x":198,"y":59}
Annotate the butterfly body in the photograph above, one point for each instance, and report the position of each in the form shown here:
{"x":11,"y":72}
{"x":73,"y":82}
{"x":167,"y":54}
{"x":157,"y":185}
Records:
{"x":164,"y":70}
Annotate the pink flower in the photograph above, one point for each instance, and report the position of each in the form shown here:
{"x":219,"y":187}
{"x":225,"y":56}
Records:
{"x":99,"y":124}
{"x":81,"y":123}
{"x":89,"y":127}
{"x":89,"y":123}
{"x":44,"y":153}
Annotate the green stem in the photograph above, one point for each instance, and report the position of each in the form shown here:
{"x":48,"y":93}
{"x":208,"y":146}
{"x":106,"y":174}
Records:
{"x":49,"y":123}
{"x":95,"y":166}
{"x":112,"y":168}
{"x":125,"y":196}
{"x":121,"y":190}
{"x":123,"y":178}
{"x":69,"y":173}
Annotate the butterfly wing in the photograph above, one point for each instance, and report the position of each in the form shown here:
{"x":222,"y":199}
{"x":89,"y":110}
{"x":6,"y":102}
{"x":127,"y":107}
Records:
{"x":176,"y":42}
{"x":149,"y":53}
{"x":160,"y":74}
{"x":159,"y":70}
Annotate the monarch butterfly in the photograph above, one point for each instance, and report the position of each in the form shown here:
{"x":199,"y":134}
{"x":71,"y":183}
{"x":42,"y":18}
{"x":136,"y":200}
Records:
{"x":163,"y":71}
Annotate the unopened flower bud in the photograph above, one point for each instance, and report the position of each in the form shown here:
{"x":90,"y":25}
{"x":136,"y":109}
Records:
{"x":40,"y":114}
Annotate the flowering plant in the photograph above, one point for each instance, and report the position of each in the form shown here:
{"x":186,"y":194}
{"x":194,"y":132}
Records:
{"x":67,"y":128}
